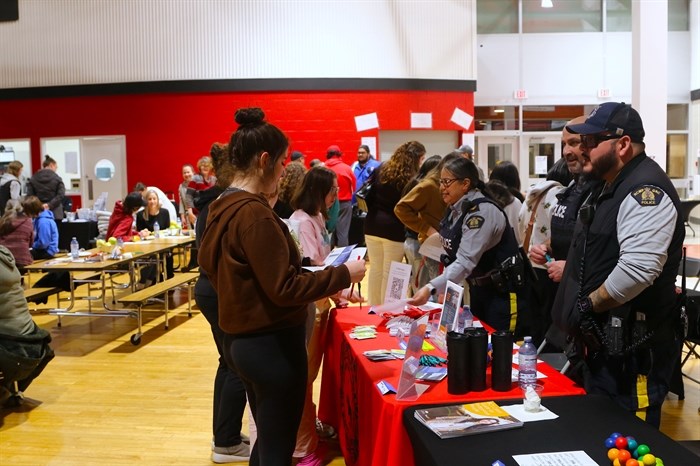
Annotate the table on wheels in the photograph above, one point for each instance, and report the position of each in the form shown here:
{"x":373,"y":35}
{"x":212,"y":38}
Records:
{"x":369,"y":424}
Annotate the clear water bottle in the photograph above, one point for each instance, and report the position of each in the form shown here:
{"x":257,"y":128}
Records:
{"x":74,"y":249}
{"x":467,"y":317}
{"x":179,"y":225}
{"x":527,"y":362}
{"x":156,"y":229}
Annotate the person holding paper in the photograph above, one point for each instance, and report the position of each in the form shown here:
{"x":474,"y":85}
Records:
{"x":384,"y":232}
{"x":479,"y":246}
{"x":253,"y":263}
{"x":312,"y":200}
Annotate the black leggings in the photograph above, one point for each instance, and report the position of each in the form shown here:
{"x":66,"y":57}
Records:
{"x":273,"y":367}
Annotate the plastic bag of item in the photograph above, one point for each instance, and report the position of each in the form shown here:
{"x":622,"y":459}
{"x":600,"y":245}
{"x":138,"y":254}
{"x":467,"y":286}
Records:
{"x":101,"y":201}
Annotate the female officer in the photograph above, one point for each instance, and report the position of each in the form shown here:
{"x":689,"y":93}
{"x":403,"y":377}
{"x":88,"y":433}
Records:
{"x":477,"y":240}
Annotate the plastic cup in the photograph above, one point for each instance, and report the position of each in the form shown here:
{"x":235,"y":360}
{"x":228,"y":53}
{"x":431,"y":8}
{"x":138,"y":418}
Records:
{"x":532,"y":397}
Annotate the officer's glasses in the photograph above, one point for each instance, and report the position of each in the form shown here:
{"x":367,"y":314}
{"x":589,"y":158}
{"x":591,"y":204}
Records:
{"x":591,"y":141}
{"x":447,"y":182}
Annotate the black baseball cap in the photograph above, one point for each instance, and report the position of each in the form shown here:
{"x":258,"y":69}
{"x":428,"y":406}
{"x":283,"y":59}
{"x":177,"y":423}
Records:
{"x":617,"y":118}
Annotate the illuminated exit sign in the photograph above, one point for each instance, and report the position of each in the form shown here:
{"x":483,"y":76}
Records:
{"x":520,"y":94}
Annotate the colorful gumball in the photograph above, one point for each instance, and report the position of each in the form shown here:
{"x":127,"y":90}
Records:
{"x":642,"y":450}
{"x":623,"y":456}
{"x":616,"y":462}
{"x":631,"y":443}
{"x":609,"y":442}
{"x":632,"y":462}
{"x":649,"y":460}
{"x":615,"y":435}
{"x":621,"y":442}
{"x":612,"y":454}
{"x":659,"y":461}
{"x":635,"y":453}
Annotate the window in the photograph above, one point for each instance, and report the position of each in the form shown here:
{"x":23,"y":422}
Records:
{"x":496,"y":118}
{"x":564,"y":16}
{"x":497,"y":17}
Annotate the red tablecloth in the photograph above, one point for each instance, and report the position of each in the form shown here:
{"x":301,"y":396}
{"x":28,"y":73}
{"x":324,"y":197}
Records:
{"x":369,"y":424}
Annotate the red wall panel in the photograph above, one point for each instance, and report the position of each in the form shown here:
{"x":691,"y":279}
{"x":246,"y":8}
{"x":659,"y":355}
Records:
{"x":164,"y":131}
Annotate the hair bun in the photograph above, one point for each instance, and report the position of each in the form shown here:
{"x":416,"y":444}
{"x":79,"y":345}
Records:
{"x":249,"y":116}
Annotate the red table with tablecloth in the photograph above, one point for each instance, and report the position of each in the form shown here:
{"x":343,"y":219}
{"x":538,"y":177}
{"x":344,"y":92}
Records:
{"x":369,"y":424}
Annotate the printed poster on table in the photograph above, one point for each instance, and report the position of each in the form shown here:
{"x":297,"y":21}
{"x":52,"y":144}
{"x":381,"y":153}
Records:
{"x":450,"y":312}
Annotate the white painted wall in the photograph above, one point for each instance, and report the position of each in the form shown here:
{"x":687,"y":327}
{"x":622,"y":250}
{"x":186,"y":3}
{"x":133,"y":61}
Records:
{"x":63,"y":42}
{"x":569,"y":68}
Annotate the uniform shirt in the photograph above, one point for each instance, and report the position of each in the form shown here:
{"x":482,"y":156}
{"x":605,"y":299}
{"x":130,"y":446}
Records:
{"x":481,"y":231}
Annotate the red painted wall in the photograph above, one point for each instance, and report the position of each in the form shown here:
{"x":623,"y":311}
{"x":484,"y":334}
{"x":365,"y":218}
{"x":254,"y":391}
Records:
{"x":164,"y":131}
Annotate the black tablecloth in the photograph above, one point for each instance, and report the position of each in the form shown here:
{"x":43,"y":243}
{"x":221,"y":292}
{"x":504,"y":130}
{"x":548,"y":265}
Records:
{"x":584,"y":423}
{"x":84,"y":232}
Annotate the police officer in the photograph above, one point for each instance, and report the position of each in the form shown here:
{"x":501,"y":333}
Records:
{"x":617,"y":295}
{"x":477,"y":240}
{"x":564,"y":215}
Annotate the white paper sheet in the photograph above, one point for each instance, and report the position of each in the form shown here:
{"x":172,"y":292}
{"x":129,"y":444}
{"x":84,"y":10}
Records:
{"x":432,"y":247}
{"x":421,"y":120}
{"x":518,"y":412}
{"x":462,"y":118}
{"x":370,"y":142}
{"x":559,"y":458}
{"x":365,"y":122}
{"x":397,"y":283}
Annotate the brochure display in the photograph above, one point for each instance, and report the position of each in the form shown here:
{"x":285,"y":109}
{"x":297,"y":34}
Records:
{"x":450,"y":313}
{"x":408,"y":389}
{"x":466,"y":419}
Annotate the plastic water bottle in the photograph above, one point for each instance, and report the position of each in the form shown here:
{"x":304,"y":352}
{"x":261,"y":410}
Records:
{"x":74,"y":249}
{"x":179,"y":225}
{"x":467,"y":317}
{"x":527,"y":362}
{"x":156,"y":229}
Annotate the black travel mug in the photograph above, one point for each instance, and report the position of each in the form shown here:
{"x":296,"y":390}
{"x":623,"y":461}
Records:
{"x":478,"y":340}
{"x":502,"y":363}
{"x":457,"y":360}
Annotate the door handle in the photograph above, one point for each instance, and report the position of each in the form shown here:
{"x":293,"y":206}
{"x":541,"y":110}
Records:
{"x":90,"y":197}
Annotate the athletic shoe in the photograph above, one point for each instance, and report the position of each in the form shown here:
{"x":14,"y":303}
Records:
{"x":240,"y":452}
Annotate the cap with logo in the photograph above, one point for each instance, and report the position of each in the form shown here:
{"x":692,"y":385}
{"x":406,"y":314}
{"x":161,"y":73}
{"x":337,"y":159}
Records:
{"x":616,"y":118}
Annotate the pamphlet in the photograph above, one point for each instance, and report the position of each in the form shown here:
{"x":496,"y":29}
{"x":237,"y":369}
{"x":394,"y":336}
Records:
{"x":340,"y":255}
{"x":450,"y":312}
{"x":466,"y":419}
{"x":432,"y":247}
{"x":578,"y":457}
{"x":397,"y":283}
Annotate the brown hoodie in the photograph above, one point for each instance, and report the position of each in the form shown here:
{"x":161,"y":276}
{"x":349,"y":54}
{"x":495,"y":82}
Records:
{"x":254,"y":265}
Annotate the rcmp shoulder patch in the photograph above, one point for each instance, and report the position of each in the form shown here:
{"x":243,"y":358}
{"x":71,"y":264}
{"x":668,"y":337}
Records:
{"x":648,"y":195}
{"x":475,"y":222}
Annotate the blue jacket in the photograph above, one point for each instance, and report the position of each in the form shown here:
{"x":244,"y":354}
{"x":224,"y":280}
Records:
{"x":362,"y":173}
{"x":46,"y":233}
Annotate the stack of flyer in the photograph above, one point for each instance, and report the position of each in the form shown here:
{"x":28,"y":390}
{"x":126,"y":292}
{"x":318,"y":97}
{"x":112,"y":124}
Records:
{"x":466,"y":419}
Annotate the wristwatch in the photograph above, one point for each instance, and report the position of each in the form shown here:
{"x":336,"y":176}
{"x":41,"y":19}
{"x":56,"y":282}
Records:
{"x":585,"y":305}
{"x":433,"y":290}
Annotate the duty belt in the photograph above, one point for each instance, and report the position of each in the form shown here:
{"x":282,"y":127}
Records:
{"x":480,"y":281}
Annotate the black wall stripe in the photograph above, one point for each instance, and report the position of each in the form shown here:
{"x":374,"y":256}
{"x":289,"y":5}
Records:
{"x":241,"y":85}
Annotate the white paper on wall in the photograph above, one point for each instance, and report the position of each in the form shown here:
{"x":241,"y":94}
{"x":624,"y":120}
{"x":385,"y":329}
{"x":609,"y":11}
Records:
{"x":368,"y":121}
{"x":371,"y":142}
{"x":421,"y":120}
{"x":462,"y":118}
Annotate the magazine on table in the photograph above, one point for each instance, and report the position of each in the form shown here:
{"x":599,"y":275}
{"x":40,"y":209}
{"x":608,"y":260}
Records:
{"x":466,"y":419}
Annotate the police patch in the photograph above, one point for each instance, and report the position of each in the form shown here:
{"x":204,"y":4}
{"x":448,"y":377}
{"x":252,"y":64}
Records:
{"x":475,"y":222}
{"x":648,"y":195}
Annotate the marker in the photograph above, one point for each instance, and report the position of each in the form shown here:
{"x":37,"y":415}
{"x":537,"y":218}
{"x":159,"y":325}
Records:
{"x":548,"y":258}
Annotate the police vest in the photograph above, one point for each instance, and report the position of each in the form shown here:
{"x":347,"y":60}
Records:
{"x":641,"y":177}
{"x":564,"y":217}
{"x":451,"y":236}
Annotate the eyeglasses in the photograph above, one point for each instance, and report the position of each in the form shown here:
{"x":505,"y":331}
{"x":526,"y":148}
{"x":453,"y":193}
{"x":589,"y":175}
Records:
{"x":591,"y":141}
{"x":447,"y":182}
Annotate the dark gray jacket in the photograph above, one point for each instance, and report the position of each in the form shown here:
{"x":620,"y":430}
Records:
{"x":48,"y":187}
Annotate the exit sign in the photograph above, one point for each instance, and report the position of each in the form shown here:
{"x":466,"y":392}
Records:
{"x":604,"y":93}
{"x":520,"y":94}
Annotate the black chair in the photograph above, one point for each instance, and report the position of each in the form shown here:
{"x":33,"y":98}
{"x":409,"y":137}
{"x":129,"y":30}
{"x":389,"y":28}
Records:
{"x":686,"y":207}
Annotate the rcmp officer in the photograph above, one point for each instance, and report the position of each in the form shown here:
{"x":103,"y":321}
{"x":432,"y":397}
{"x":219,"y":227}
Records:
{"x":478,"y":241}
{"x":617,"y":296}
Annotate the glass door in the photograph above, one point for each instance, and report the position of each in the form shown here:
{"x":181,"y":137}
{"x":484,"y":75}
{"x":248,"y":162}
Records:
{"x":491,"y":150}
{"x":543,"y":152}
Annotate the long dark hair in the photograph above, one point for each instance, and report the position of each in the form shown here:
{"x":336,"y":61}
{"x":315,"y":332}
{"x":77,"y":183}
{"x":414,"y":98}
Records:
{"x":507,"y":173}
{"x":253,"y":137}
{"x":310,"y":196}
{"x":425,"y":169}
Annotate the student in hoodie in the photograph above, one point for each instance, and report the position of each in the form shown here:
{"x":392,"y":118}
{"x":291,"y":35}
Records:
{"x":45,"y":236}
{"x":48,"y":186}
{"x":121,"y":223}
{"x":10,"y":187}
{"x":253,"y":262}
